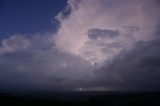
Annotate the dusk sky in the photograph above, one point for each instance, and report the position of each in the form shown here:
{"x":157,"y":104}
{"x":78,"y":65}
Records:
{"x":100,"y":45}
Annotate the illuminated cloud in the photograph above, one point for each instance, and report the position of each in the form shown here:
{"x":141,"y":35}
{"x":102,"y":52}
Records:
{"x":132,"y":20}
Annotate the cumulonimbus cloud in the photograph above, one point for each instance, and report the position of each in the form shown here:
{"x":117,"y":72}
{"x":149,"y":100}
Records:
{"x":100,"y":44}
{"x":99,"y":32}
{"x":132,"y":20}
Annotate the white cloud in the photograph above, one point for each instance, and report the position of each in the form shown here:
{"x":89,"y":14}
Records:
{"x":125,"y":16}
{"x":13,"y":44}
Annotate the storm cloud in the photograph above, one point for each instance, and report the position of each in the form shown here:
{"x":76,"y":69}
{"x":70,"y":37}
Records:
{"x":101,"y":33}
{"x":41,"y":66}
{"x":100,"y":44}
{"x":114,"y":35}
{"x":136,"y":69}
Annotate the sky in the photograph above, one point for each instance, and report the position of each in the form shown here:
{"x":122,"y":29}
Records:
{"x":29,"y":16}
{"x":101,"y":45}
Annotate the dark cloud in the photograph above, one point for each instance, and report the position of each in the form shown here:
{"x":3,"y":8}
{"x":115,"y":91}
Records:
{"x":132,"y":29}
{"x":39,"y":64}
{"x":102,"y":33}
{"x":136,"y":69}
{"x":55,"y":70}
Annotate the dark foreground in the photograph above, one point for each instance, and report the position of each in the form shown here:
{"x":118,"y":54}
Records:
{"x":79,"y":99}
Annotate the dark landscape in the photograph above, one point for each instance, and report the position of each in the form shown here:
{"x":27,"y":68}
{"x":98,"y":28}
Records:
{"x":80,"y":98}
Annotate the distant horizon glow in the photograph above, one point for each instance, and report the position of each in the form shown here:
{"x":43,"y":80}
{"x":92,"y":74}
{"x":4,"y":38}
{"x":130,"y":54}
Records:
{"x":98,"y":89}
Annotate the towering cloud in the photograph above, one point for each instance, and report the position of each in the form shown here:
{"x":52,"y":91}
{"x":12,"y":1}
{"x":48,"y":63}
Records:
{"x":116,"y":35}
{"x":97,"y":23}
